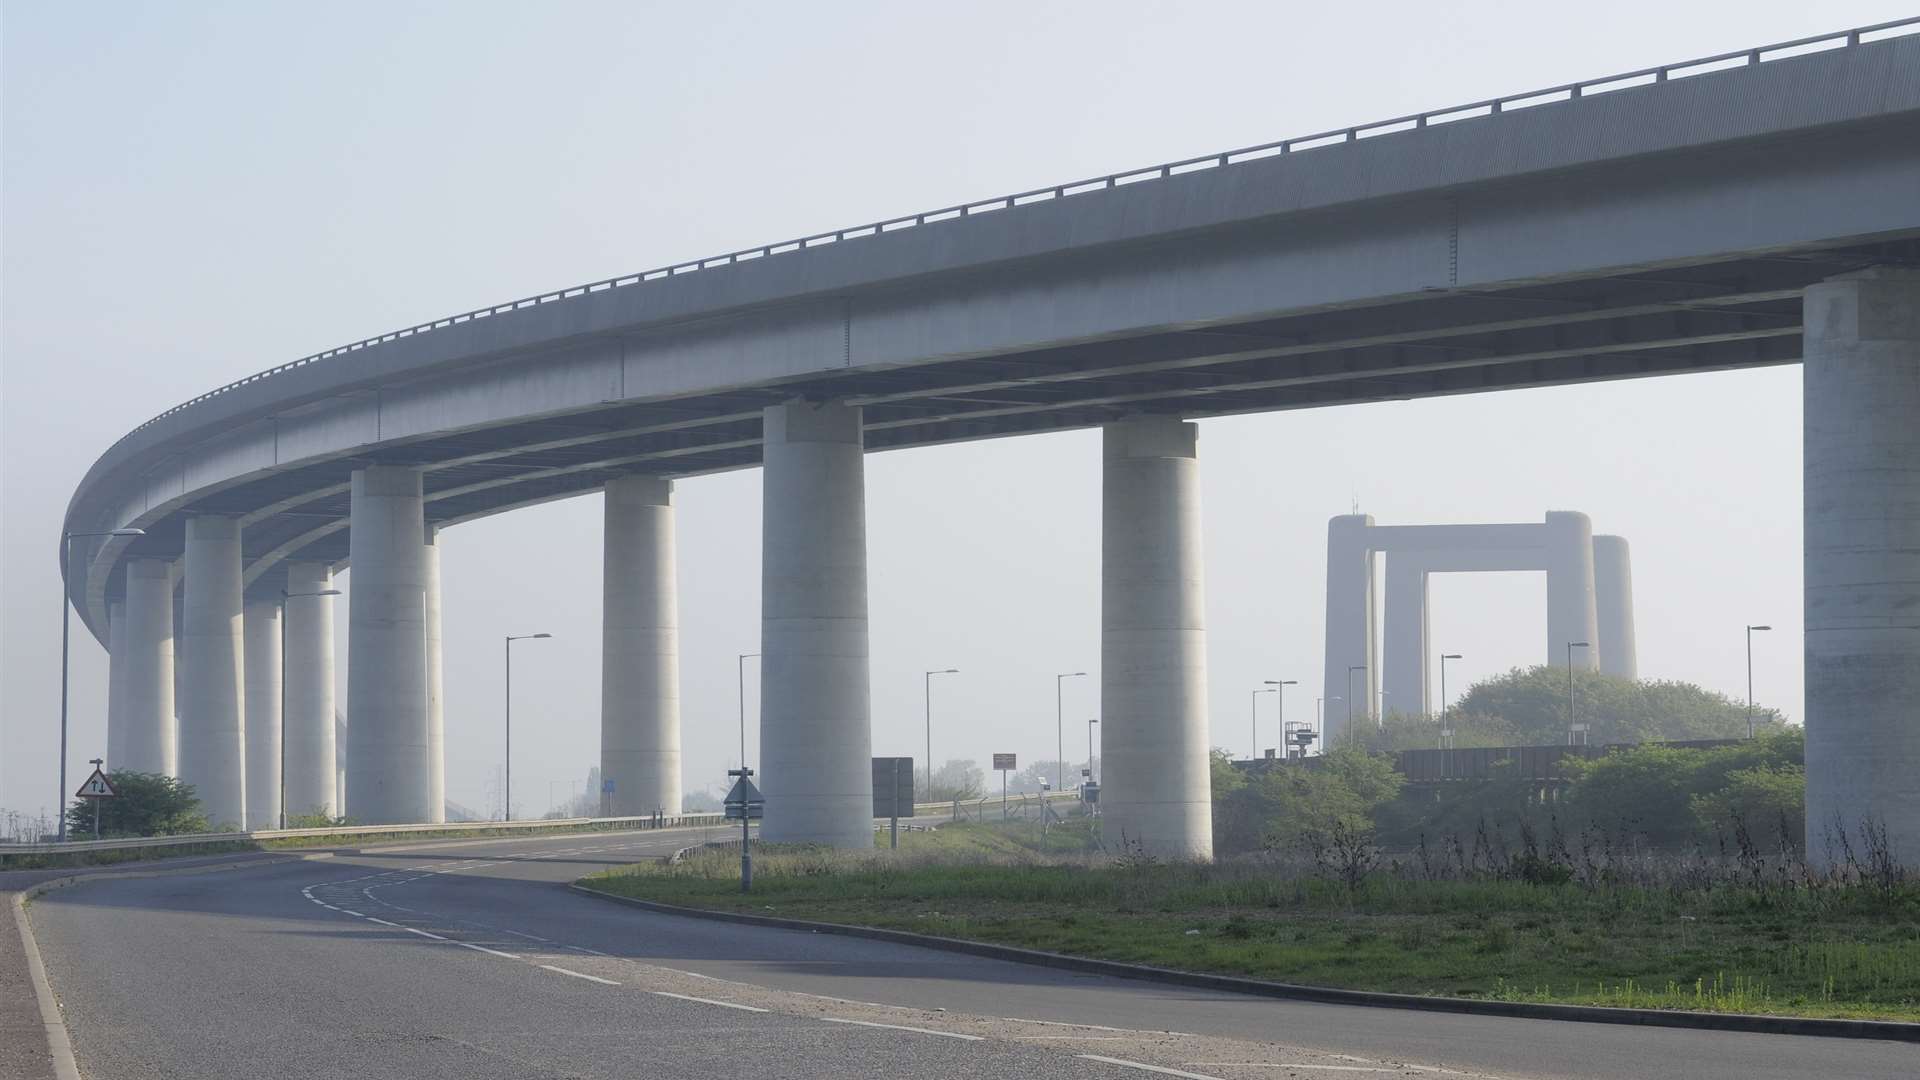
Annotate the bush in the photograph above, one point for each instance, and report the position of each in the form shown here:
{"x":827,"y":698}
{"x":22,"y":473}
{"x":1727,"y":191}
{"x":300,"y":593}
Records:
{"x":146,"y":804}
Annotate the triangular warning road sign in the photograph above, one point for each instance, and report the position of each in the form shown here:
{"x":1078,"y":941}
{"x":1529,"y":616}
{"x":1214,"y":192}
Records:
{"x":736,"y":796}
{"x":97,"y":787}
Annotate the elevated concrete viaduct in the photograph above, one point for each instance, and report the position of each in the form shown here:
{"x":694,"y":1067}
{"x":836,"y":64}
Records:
{"x":1688,"y":218}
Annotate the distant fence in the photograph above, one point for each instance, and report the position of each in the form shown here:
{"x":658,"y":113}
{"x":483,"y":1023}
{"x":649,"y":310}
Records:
{"x":1547,"y":764}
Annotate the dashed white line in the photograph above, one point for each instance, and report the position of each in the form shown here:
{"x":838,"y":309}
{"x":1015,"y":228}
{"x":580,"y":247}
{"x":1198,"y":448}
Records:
{"x":589,"y":952}
{"x":1144,"y":1067}
{"x":580,"y":975}
{"x":915,"y":1030}
{"x":710,"y":1001}
{"x":483,"y":948}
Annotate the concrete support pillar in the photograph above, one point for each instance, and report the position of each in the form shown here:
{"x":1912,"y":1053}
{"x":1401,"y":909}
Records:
{"x":1408,"y":646}
{"x":1157,"y":790}
{"x":388,"y":779}
{"x":1862,"y":491}
{"x":149,"y":743}
{"x":1613,"y":598}
{"x":640,"y":650}
{"x":213,"y":739}
{"x":1572,"y":614}
{"x":309,"y":677}
{"x":262,"y":652}
{"x":436,"y":685}
{"x":1350,"y":635}
{"x":116,"y":684}
{"x":815,"y":735}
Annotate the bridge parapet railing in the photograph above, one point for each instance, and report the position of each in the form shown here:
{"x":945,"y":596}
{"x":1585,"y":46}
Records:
{"x":1839,"y":39}
{"x":400,"y":832}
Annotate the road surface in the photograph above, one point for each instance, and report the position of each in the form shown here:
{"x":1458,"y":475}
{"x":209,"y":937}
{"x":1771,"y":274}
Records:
{"x":470,"y":959}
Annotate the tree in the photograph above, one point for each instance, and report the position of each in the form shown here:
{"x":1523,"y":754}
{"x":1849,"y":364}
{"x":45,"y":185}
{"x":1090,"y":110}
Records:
{"x":1337,"y":792}
{"x":1532,"y":704}
{"x":959,"y":778}
{"x":1652,"y":789}
{"x":146,"y":804}
{"x":1764,"y":799}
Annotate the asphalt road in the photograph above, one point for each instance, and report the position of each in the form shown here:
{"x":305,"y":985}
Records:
{"x":471,"y":959}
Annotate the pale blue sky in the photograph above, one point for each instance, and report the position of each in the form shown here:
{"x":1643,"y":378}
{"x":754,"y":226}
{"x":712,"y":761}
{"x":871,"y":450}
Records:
{"x":194,"y":192}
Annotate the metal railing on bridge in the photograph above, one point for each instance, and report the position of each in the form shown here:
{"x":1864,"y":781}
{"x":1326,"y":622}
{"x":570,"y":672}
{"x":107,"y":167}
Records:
{"x":1838,"y":39}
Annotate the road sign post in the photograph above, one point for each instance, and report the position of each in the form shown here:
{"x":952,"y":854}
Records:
{"x":97,"y":788}
{"x":1004,"y":763}
{"x":744,"y":802}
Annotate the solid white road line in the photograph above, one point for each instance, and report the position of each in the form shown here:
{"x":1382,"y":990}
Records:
{"x":484,"y":949}
{"x":580,"y":975}
{"x":1143,"y":1067}
{"x":708,"y":1001}
{"x":903,"y":1027}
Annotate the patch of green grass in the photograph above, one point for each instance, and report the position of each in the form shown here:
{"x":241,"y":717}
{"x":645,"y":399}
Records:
{"x":1839,"y":951}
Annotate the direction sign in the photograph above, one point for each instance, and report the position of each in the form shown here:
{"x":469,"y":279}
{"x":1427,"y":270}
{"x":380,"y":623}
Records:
{"x":892,"y":787}
{"x":97,"y":787}
{"x":1004,"y":761}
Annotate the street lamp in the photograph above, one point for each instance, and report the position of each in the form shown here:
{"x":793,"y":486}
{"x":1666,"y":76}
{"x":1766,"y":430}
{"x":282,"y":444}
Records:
{"x":927,"y":687}
{"x":1750,"y":631}
{"x":1090,"y":723}
{"x":506,"y":782}
{"x":1444,"y":657}
{"x":284,"y":597}
{"x":1059,"y":727}
{"x":1280,"y":689}
{"x":1571,"y":645}
{"x":1255,"y":718}
{"x":66,"y":554}
{"x":741,"y":664}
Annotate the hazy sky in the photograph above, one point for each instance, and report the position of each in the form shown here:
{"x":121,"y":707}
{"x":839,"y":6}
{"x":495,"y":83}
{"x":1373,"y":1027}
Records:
{"x":194,"y":192}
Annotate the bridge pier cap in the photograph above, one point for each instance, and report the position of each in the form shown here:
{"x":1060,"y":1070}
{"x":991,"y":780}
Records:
{"x":1862,"y":507}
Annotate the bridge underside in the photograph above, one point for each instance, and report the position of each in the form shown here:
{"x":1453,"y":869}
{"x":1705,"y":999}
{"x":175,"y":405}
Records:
{"x":1731,"y":314}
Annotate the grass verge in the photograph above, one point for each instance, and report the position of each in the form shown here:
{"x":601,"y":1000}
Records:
{"x":1850,"y":952}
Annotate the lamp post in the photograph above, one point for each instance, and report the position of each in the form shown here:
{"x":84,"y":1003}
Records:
{"x":1350,"y":671}
{"x":1254,"y":754}
{"x":284,"y":597}
{"x":1280,"y":699}
{"x":741,"y":665}
{"x":927,"y":686}
{"x":1571,"y":645}
{"x":506,"y":781}
{"x":1059,"y":727}
{"x":1442,"y":681}
{"x":1750,"y":631}
{"x":66,"y":554}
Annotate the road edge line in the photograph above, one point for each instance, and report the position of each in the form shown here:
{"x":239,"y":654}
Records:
{"x":1887,"y":1030}
{"x":53,"y":1024}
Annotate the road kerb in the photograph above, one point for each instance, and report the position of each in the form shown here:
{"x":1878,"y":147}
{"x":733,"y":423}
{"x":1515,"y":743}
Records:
{"x":1891,"y":1030}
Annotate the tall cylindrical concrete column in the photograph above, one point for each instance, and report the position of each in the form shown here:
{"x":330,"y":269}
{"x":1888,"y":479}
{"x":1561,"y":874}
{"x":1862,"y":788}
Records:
{"x":1407,"y":641}
{"x":309,"y":679}
{"x":1862,"y":490}
{"x":262,"y":651}
{"x":815,"y":738}
{"x":146,"y":679}
{"x":640,"y":650}
{"x":116,"y":685}
{"x":1613,"y":598}
{"x":1156,"y":776}
{"x":1349,"y":627}
{"x":213,"y":737}
{"x":1572,"y":614}
{"x":388,"y":779}
{"x":436,"y":686}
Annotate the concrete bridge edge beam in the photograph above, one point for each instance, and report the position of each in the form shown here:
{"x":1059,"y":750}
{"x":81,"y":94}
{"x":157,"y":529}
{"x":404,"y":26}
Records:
{"x":640,"y":649}
{"x":387,"y":773}
{"x":1862,"y":521}
{"x":212,"y":749}
{"x":815,"y":712}
{"x":1153,"y":641}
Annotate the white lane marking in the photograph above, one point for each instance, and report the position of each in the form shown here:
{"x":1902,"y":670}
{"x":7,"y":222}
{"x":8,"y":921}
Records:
{"x":589,"y":952}
{"x":423,"y":933}
{"x":1099,"y":1027}
{"x":1143,"y":1067}
{"x":516,"y":933}
{"x":1069,"y":1038}
{"x":355,"y":914}
{"x":581,"y":975}
{"x":903,"y":1027}
{"x":1331,"y":1068}
{"x":708,"y":1001}
{"x":384,"y":922}
{"x":482,"y":948}
{"x":693,"y":974}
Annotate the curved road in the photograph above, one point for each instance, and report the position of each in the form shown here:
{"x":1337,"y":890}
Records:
{"x":471,"y":959}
